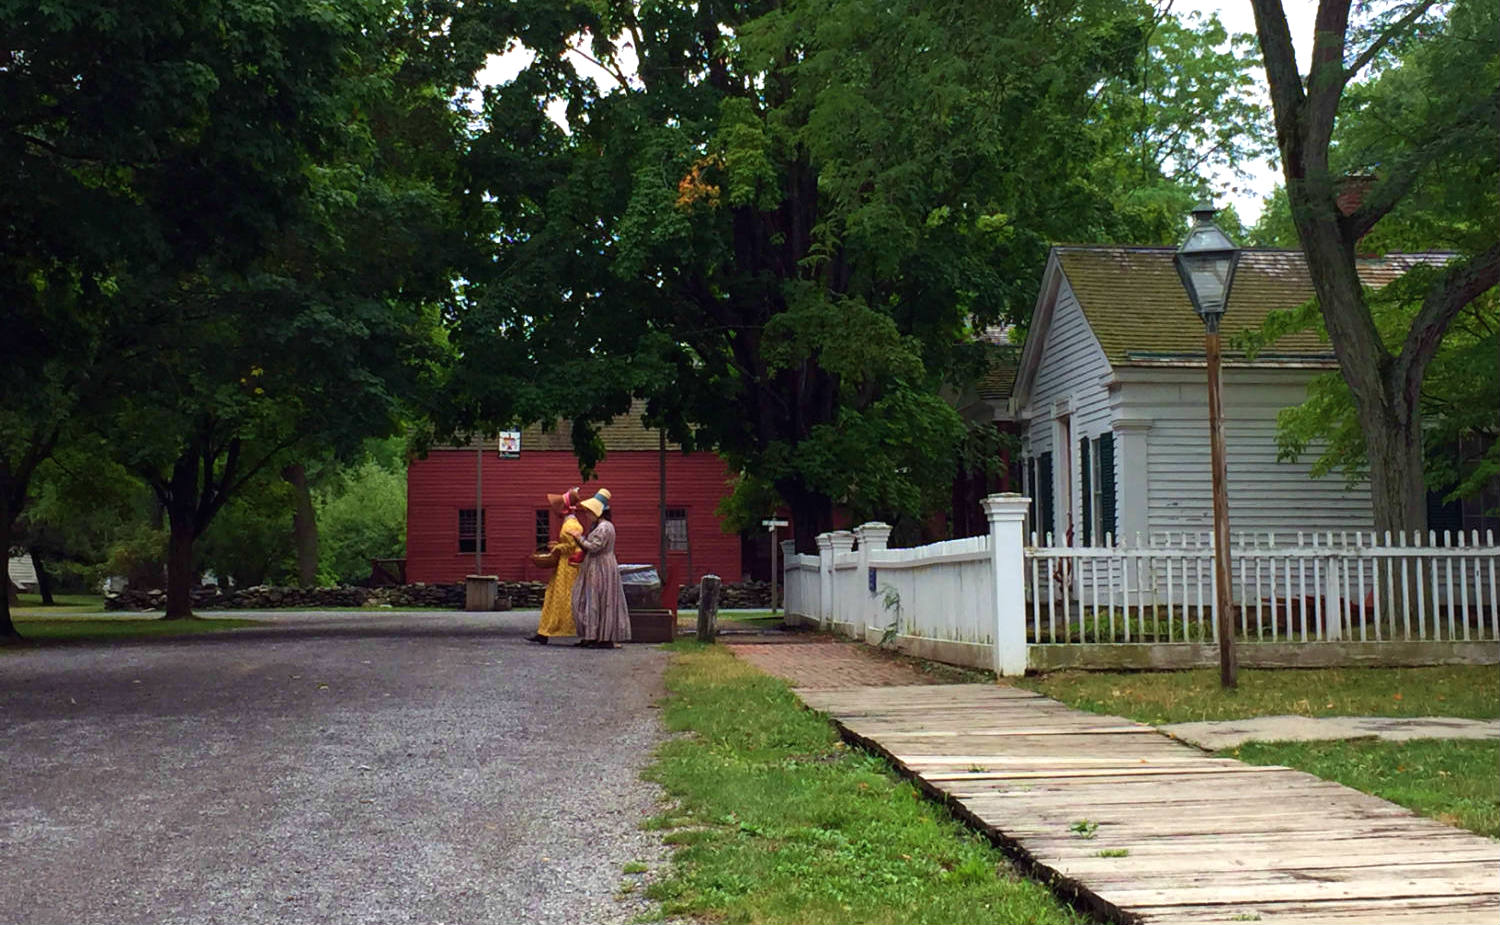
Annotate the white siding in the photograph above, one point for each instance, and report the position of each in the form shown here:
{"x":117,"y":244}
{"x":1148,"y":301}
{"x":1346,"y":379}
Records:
{"x":21,"y":573}
{"x":1072,"y":369}
{"x":1264,"y":494}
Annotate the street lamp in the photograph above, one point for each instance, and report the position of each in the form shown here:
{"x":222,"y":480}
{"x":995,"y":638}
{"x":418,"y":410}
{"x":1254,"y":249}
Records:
{"x":1206,"y":261}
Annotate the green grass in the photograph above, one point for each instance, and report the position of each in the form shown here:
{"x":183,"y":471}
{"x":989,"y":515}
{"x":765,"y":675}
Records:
{"x":1185,"y":696}
{"x":1453,"y":780}
{"x":777,"y":821}
{"x":79,"y":630}
{"x":31,"y":604}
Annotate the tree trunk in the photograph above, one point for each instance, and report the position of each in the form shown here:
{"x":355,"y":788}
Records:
{"x":8,"y":632}
{"x":43,"y":582}
{"x":180,"y":563}
{"x":304,"y":525}
{"x":1398,"y":491}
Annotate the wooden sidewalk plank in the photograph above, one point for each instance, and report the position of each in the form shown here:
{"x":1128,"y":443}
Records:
{"x":1206,"y":839}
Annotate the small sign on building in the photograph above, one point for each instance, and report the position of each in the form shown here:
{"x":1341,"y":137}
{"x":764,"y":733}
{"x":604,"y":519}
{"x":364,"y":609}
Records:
{"x":510,"y":444}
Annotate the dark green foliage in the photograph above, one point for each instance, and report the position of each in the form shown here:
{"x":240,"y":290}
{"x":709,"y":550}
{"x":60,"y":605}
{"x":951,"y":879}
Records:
{"x":787,"y":228}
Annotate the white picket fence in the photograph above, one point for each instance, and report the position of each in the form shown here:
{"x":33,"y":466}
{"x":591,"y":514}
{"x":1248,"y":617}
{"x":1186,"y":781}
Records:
{"x":997,"y":602}
{"x":1306,"y":588}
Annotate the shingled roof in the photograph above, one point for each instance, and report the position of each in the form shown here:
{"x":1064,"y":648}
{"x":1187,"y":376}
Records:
{"x":999,"y":378}
{"x":1135,"y":303}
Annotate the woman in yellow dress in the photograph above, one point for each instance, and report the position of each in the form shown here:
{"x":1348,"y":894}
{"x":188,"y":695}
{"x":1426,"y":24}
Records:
{"x":557,"y":603}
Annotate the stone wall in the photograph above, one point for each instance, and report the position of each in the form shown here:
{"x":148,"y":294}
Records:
{"x":526,"y":595}
{"x":743,"y":595}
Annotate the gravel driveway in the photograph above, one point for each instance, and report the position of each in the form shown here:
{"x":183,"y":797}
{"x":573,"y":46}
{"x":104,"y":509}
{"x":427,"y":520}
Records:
{"x":340,"y":768}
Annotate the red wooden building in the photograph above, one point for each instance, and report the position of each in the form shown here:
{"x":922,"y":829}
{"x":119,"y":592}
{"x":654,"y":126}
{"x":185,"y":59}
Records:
{"x":441,"y":519}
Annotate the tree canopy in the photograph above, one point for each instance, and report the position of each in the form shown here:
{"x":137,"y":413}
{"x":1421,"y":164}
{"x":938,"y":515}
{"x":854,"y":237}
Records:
{"x":786,"y":226}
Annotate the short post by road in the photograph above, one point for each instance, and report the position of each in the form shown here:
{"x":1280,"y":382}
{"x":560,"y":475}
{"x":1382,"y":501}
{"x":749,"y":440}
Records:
{"x":772,"y":525}
{"x":1206,"y":262}
{"x":708,"y":608}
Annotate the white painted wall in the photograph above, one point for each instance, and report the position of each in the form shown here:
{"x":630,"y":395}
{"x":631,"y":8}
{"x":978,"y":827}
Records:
{"x":1072,"y":378}
{"x":1265,"y":494}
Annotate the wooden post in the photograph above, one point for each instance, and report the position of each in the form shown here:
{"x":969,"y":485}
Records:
{"x":661,"y":505}
{"x":708,"y":608}
{"x":1223,"y":591}
{"x":479,"y":509}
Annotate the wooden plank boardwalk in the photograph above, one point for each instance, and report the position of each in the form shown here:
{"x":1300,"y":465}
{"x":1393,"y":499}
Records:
{"x":1147,"y":829}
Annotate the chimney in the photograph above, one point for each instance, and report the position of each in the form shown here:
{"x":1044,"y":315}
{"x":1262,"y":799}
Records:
{"x":1350,"y":191}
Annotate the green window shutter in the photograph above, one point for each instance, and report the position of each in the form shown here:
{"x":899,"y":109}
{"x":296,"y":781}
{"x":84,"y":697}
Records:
{"x":1107,"y":522}
{"x":1044,"y":491}
{"x":1088,"y":494}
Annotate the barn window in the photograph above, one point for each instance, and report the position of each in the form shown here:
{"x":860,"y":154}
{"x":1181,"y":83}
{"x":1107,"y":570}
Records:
{"x":677,"y":529}
{"x":543,"y":528}
{"x":466,"y":532}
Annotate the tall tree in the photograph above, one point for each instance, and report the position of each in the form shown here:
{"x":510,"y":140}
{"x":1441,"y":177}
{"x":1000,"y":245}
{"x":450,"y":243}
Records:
{"x":1448,"y":127}
{"x":782,"y":226}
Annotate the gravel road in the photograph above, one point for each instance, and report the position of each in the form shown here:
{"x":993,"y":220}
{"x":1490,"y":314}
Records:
{"x":328,"y":768}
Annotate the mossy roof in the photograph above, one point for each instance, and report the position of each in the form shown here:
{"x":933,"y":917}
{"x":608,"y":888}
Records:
{"x":1135,"y":303}
{"x":999,"y":378}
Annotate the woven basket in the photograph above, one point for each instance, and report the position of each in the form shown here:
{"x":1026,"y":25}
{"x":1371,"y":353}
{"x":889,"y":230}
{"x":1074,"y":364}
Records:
{"x":544,"y":560}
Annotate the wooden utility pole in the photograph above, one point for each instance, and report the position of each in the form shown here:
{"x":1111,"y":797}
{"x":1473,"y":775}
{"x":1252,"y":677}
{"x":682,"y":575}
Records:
{"x":661,"y":507}
{"x":1223,"y":592}
{"x":479,"y":509}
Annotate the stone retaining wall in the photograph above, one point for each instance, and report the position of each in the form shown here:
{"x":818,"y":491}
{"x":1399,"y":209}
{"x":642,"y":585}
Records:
{"x":526,"y":595}
{"x":739,"y":596}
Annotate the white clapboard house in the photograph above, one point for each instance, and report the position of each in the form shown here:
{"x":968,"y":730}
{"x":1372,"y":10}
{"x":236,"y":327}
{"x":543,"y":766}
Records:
{"x":1111,"y":400}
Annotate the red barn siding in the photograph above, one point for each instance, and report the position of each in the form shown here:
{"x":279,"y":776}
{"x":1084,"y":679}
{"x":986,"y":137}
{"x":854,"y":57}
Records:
{"x":514,"y":489}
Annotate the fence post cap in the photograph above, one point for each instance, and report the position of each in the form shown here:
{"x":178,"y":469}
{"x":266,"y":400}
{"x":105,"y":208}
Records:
{"x":873,"y":535}
{"x":840,"y":540}
{"x":1006,"y":506}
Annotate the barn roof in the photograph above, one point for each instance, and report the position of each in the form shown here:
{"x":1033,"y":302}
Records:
{"x":1135,"y":303}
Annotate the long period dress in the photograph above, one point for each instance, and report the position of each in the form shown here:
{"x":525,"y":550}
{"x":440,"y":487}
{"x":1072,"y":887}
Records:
{"x":599,"y":595}
{"x":557,"y":603}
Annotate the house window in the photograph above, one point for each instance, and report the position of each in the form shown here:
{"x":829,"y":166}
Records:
{"x":466,"y":532}
{"x":543,"y":528}
{"x":677,"y":531}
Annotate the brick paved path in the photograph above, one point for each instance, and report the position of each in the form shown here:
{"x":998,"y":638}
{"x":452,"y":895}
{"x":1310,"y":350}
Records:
{"x":828,"y":665}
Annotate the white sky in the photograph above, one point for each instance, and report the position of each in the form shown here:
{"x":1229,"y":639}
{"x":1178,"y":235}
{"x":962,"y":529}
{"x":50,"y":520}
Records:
{"x":1236,"y":15}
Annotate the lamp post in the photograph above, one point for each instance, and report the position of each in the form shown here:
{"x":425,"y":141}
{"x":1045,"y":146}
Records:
{"x":1206,"y":262}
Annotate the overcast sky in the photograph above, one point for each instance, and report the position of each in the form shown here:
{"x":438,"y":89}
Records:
{"x":1236,"y":15}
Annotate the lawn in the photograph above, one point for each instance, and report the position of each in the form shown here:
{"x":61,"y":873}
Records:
{"x":78,"y":630}
{"x":1454,"y":780}
{"x":776,"y":820}
{"x":31,"y":604}
{"x":1186,"y":696}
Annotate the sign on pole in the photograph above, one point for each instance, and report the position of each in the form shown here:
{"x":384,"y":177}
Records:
{"x":510,"y":444}
{"x":772,"y":525}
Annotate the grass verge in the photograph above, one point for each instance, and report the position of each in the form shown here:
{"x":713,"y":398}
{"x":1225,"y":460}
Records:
{"x":778,"y":821}
{"x":1452,"y":780}
{"x":31,"y":604}
{"x":1187,"y":696}
{"x":95,"y":630}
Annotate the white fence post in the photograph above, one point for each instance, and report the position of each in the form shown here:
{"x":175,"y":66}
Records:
{"x":1007,"y":515}
{"x":788,"y":557}
{"x":825,"y":578}
{"x":839,"y":542}
{"x":872,"y":537}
